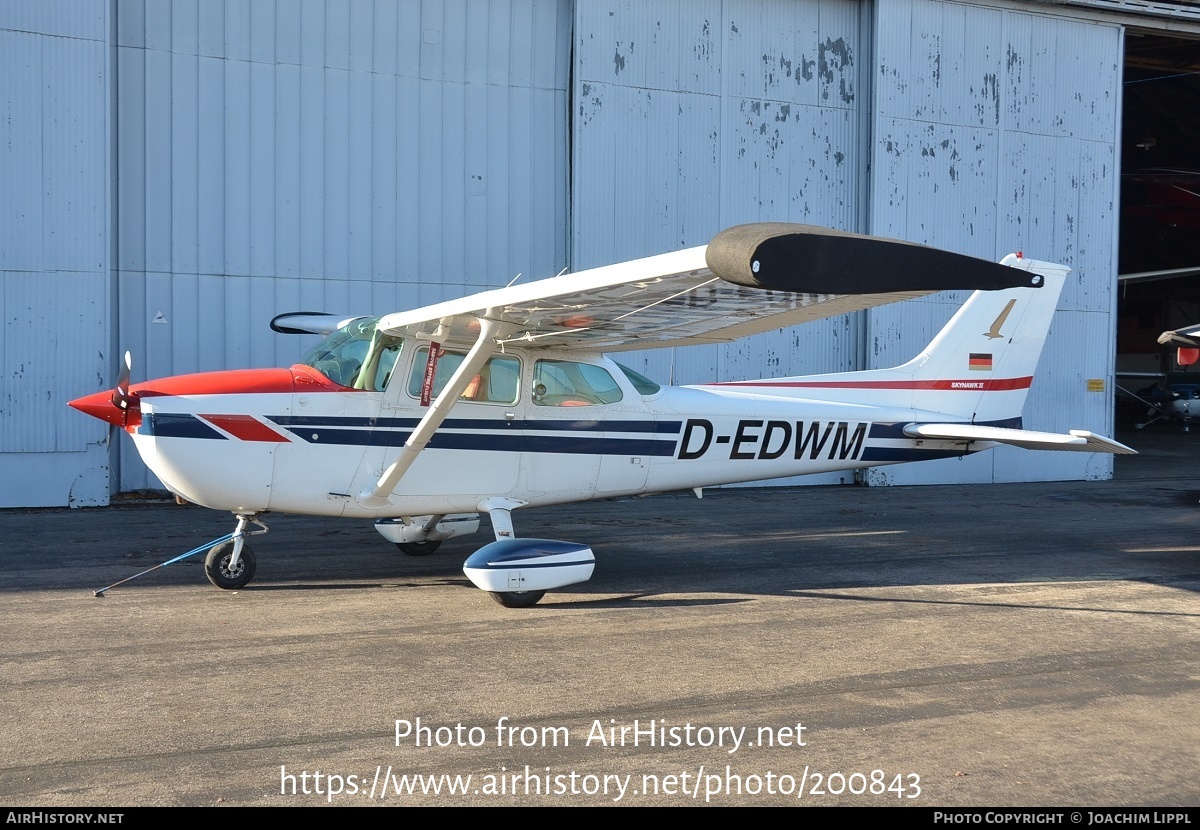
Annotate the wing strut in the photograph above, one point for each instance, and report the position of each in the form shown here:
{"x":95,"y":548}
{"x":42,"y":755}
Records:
{"x":485,"y":346}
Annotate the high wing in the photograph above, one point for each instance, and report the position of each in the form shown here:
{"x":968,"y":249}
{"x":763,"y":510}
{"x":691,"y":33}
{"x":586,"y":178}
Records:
{"x":748,"y":279}
{"x":668,"y":300}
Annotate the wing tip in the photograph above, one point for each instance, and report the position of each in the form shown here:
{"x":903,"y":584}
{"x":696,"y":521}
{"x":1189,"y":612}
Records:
{"x":809,"y":259}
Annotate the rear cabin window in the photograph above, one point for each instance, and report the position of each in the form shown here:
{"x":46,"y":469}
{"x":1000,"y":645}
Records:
{"x":564,"y":383}
{"x":640,"y":382}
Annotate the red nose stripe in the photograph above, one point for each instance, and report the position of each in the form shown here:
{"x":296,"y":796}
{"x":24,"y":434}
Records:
{"x":245,"y":428}
{"x":232,"y":382}
{"x":241,"y":382}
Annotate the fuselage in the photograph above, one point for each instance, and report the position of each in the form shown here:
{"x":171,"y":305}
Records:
{"x":544,"y":428}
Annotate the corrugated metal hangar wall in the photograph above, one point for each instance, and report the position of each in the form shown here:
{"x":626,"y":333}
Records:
{"x":55,"y":234}
{"x":179,"y":172}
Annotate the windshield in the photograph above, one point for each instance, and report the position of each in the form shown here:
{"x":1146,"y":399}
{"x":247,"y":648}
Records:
{"x":357,"y":355}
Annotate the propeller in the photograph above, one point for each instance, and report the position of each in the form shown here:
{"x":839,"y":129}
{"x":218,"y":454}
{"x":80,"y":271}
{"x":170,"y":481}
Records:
{"x":120,"y":394}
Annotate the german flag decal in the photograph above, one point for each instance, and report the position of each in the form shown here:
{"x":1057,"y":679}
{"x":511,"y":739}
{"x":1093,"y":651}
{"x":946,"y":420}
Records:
{"x":980,"y":362}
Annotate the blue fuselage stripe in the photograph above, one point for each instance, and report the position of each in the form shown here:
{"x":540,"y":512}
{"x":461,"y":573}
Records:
{"x":173,"y":425}
{"x":579,"y":445}
{"x":581,"y":425}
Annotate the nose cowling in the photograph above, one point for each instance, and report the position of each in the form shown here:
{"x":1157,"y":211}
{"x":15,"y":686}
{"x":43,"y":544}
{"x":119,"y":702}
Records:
{"x":107,"y":406}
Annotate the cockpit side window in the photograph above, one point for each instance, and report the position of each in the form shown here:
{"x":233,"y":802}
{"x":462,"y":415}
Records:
{"x":381,"y":371}
{"x":498,"y":381}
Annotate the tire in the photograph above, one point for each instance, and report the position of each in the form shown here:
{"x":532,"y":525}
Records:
{"x":216,"y":567}
{"x":518,"y":599}
{"x":419,"y":548}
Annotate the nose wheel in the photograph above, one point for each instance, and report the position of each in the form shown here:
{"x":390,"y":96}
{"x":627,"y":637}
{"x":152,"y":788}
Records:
{"x":231,"y":565}
{"x":221,"y":570}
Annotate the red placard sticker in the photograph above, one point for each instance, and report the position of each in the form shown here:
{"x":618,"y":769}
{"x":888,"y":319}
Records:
{"x":435,"y":351}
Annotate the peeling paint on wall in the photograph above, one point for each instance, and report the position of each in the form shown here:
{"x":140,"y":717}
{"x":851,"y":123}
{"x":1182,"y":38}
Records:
{"x":807,"y":66}
{"x":704,"y":46}
{"x":619,"y":59}
{"x":834,"y":58}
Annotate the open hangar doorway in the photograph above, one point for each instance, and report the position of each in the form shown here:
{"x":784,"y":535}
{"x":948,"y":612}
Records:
{"x":1159,"y":230}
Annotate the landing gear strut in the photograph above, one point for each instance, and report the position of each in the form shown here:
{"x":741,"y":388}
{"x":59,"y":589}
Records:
{"x":231,"y":565}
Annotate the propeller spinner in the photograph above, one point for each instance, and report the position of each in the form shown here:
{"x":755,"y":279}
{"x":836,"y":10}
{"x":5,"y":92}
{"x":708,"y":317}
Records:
{"x":116,"y":406}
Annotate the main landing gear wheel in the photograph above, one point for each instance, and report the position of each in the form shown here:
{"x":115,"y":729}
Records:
{"x":518,"y":599}
{"x":216,"y":567}
{"x":419,"y":548}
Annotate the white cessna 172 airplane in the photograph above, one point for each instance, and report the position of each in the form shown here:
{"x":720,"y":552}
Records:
{"x":423,"y":419}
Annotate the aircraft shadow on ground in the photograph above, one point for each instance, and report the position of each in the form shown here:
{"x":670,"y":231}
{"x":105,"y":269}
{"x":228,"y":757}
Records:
{"x":675,"y":550}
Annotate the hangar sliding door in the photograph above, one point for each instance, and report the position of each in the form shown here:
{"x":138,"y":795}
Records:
{"x":359,"y":158}
{"x":691,"y":117}
{"x":995,"y":131}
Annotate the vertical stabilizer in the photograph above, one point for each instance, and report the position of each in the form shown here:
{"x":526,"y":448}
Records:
{"x":981,"y":364}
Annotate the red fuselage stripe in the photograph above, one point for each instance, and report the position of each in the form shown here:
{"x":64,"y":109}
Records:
{"x":994,"y":385}
{"x":245,"y":428}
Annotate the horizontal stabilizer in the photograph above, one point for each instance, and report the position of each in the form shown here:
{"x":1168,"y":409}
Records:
{"x":1184,"y":338}
{"x":310,"y":322}
{"x":1077,"y":441}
